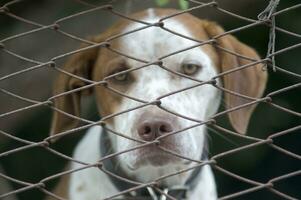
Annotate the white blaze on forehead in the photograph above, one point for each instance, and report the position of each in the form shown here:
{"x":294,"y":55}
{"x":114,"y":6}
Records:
{"x":153,"y":42}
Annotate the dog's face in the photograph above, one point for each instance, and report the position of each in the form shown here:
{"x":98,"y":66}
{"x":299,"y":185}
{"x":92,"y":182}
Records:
{"x":150,"y":122}
{"x":176,"y":111}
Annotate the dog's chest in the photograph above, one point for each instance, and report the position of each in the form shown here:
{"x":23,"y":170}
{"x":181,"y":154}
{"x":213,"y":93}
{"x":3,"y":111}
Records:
{"x":90,"y":183}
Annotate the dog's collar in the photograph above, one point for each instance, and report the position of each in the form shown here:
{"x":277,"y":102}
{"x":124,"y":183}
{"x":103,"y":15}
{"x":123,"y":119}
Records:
{"x":145,"y":193}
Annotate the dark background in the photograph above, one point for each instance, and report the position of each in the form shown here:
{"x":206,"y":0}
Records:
{"x":260,"y":163}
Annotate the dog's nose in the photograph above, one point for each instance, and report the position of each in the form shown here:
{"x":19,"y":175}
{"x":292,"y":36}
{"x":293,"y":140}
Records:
{"x":151,"y":129}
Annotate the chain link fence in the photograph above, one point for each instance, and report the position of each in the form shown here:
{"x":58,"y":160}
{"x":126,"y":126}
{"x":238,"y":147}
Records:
{"x":267,"y":18}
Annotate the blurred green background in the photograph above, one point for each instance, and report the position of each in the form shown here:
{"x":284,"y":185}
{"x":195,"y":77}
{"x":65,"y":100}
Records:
{"x":260,"y":163}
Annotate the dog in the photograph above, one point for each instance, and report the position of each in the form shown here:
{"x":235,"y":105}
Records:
{"x":166,"y":113}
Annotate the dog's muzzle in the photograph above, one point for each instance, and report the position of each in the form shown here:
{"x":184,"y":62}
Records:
{"x":147,"y":193}
{"x":150,"y":126}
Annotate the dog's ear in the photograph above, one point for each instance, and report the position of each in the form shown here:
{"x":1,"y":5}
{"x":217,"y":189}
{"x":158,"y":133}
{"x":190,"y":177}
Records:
{"x":250,"y":81}
{"x":80,"y":65}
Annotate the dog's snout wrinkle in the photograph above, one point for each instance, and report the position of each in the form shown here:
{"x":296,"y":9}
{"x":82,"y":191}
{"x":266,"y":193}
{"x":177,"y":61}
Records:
{"x":151,"y":129}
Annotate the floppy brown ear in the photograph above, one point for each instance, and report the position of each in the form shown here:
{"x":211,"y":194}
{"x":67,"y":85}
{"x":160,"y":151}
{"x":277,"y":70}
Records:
{"x":80,"y":64}
{"x":250,"y":81}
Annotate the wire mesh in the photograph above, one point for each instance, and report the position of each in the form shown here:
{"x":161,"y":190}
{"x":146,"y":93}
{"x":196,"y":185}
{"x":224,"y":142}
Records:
{"x":266,"y":18}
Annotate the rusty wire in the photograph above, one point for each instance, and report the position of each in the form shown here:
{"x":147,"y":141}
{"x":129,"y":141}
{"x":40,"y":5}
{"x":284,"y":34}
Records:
{"x":266,"y":18}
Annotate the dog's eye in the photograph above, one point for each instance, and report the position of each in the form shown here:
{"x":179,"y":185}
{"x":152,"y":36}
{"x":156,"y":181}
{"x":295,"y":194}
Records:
{"x":190,"y":68}
{"x":121,"y":77}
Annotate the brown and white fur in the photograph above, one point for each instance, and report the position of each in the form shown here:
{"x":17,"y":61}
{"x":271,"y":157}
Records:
{"x":148,"y":84}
